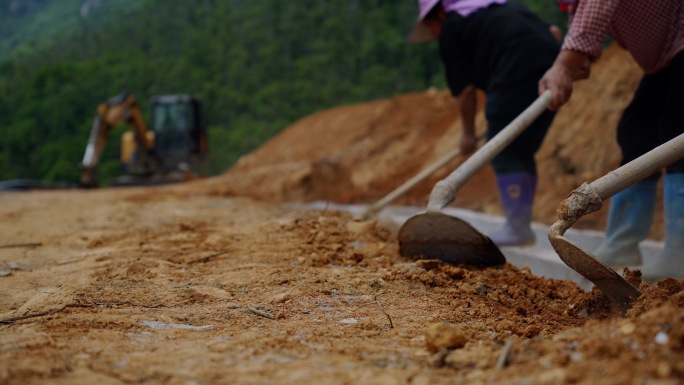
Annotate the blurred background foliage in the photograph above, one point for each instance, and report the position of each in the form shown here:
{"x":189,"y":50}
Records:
{"x":256,"y":65}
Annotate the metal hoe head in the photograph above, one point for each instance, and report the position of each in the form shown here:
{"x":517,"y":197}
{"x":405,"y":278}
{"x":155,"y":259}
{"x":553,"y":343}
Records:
{"x":583,"y":200}
{"x":439,"y":236}
{"x":620,"y":292}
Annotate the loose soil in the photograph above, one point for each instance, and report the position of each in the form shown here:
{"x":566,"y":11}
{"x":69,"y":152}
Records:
{"x":224,"y":280}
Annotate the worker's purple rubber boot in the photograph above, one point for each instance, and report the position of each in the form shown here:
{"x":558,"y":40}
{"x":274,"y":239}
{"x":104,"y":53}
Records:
{"x":670,"y":263}
{"x":629,"y":220}
{"x":517,"y":193}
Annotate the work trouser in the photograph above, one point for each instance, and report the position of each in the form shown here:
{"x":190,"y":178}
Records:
{"x":655,"y":114}
{"x":501,"y":108}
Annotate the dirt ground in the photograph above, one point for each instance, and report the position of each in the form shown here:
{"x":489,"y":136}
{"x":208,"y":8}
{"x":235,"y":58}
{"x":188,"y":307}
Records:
{"x":224,"y":281}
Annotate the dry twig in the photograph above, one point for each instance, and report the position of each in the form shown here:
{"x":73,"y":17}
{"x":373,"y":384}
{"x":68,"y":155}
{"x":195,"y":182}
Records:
{"x":17,"y":245}
{"x":504,"y":356}
{"x":384,"y":312}
{"x":265,"y":314}
{"x":206,"y":257}
{"x":92,"y":304}
{"x":41,"y":313}
{"x":256,"y":310}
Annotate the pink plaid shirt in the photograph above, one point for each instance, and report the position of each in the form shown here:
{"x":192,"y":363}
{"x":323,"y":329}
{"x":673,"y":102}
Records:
{"x":651,"y":30}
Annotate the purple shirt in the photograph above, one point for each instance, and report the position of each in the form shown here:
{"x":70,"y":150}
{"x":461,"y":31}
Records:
{"x":466,"y":7}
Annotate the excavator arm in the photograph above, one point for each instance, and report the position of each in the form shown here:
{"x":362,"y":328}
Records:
{"x":119,"y":109}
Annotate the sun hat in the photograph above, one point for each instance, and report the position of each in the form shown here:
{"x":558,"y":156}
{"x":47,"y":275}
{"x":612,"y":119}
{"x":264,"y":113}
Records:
{"x":421,"y":33}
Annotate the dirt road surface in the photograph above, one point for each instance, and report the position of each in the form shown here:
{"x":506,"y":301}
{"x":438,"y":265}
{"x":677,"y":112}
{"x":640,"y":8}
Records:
{"x":222,"y":281}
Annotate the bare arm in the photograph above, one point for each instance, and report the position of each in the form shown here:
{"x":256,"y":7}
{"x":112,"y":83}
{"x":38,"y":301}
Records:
{"x":467,"y":101}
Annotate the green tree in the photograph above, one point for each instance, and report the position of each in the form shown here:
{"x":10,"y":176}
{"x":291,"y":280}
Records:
{"x":257,"y":65}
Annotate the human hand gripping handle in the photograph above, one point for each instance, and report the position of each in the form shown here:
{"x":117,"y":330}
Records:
{"x":568,"y":67}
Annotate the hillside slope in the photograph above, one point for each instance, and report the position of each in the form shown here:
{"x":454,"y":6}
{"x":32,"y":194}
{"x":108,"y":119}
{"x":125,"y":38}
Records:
{"x":361,"y":152}
{"x":29,"y":25}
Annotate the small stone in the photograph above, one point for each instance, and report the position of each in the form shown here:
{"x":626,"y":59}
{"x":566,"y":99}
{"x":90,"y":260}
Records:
{"x":359,"y":228}
{"x":429,"y":264}
{"x":281,"y":298}
{"x":664,"y":370}
{"x":661,"y":338}
{"x":208,"y":293}
{"x":287,"y":223}
{"x":320,"y":237}
{"x":328,"y":221}
{"x":628,"y":328}
{"x":442,"y":335}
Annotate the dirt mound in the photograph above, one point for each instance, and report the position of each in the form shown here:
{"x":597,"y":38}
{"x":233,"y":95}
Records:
{"x":360,"y":153}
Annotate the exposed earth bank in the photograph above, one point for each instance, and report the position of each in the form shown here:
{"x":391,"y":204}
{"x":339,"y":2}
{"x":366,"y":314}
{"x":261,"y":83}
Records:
{"x":360,"y":153}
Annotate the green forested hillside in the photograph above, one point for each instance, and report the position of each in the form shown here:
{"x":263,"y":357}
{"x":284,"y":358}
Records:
{"x":257,"y":65}
{"x":29,"y":25}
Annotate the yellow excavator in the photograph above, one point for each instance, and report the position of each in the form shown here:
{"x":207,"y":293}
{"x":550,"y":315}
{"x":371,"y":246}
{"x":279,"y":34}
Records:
{"x":173,"y":150}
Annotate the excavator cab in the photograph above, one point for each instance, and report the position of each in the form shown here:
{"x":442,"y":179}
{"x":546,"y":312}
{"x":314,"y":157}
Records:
{"x":180,"y":138}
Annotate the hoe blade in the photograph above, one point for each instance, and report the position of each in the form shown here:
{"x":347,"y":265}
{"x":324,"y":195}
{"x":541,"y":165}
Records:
{"x":616,"y":289}
{"x":440,"y":236}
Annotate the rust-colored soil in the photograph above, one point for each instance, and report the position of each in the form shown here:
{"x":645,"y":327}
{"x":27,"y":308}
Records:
{"x":362,"y":152}
{"x":220,"y":281}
